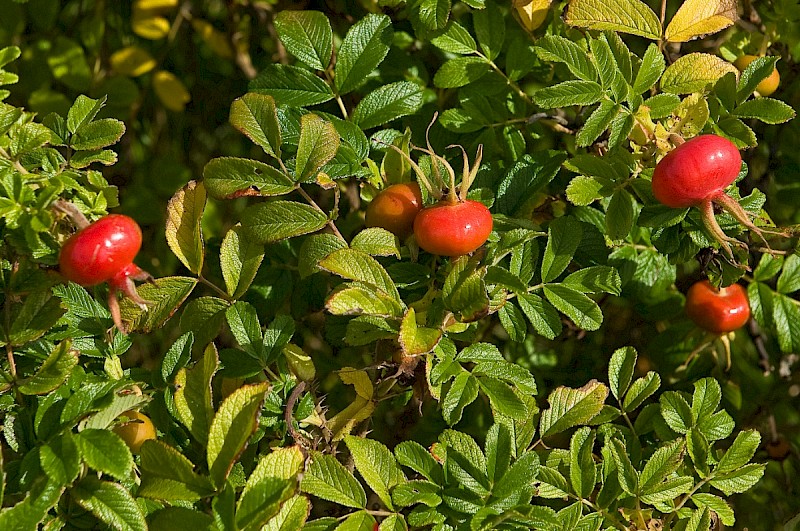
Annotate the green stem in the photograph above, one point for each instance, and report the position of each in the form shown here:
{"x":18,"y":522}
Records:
{"x":314,"y":204}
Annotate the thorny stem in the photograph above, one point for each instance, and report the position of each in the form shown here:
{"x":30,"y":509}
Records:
{"x":288,"y":413}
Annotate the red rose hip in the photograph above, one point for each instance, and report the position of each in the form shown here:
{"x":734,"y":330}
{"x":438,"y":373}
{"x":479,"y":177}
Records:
{"x":453,"y":228}
{"x":717,"y":310}
{"x":101,"y":250}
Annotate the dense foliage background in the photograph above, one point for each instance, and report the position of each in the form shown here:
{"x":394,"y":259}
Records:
{"x":574,"y":192}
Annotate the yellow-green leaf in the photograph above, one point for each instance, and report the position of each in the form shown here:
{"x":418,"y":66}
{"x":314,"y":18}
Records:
{"x":53,"y":372}
{"x":171,"y":91}
{"x":417,"y":340}
{"x":215,"y":39}
{"x":696,"y":18}
{"x":184,"y":234}
{"x":532,"y":13}
{"x":694,"y":72}
{"x":192,"y":396}
{"x":627,"y":16}
{"x":318,"y":144}
{"x":164,"y":295}
{"x":231,"y":428}
{"x":150,"y":27}
{"x":132,"y":61}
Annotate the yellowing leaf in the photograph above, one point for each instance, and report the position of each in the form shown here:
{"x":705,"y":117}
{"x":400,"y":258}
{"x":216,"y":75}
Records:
{"x":171,"y":91}
{"x":696,"y":18}
{"x":150,"y":27}
{"x":132,"y":61}
{"x":160,"y":5}
{"x":215,"y":39}
{"x":694,"y":72}
{"x":628,"y":16}
{"x":532,"y":12}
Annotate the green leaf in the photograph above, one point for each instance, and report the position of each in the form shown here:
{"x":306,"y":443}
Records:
{"x":789,"y":281}
{"x":315,"y":248}
{"x":716,"y":504}
{"x":82,"y":159}
{"x":168,"y":475}
{"x":513,"y":321}
{"x":502,"y":398}
{"x":650,"y":71}
{"x":738,"y":480}
{"x":595,"y":125}
{"x":240,"y":258}
{"x":291,"y":85}
{"x":291,"y":516}
{"x":414,"y":456}
{"x":755,"y":72}
{"x":432,"y":14}
{"x":273,"y":221}
{"x":464,"y":291}
{"x":256,"y":116}
{"x":184,"y":232}
{"x":38,"y":314}
{"x":243,"y":322}
{"x":572,"y":407}
{"x":307,"y":35}
{"x":621,"y":127}
{"x":318,"y":144}
{"x":60,"y":458}
{"x":595,"y":279}
{"x":620,"y":371}
{"x":231,"y":177}
{"x":563,"y":237}
{"x":566,"y":93}
{"x":376,"y":241}
{"x":490,"y":28}
{"x":627,"y":16}
{"x":626,"y":474}
{"x":619,"y":215}
{"x":262,"y":501}
{"x":519,"y":478}
{"x":661,"y":465}
{"x":52,"y":373}
{"x":326,"y":478}
{"x":455,"y":39}
{"x":676,"y":411}
{"x":234,"y":422}
{"x":353,"y":264}
{"x":667,"y":490}
{"x":460,"y":71}
{"x":462,"y":392}
{"x":610,"y":76}
{"x":83,"y":111}
{"x":358,"y":299}
{"x":705,"y":400}
{"x":358,"y":521}
{"x":97,"y":134}
{"x":177,"y":517}
{"x":29,"y":513}
{"x":363,"y":49}
{"x":583,"y":190}
{"x":555,"y":48}
{"x":525,"y":178}
{"x":768,"y":110}
{"x":582,"y":469}
{"x":192,"y":396}
{"x":105,"y":452}
{"x":642,"y":389}
{"x":740,"y":452}
{"x":111,"y":503}
{"x":164,"y":296}
{"x":551,"y":484}
{"x":694,"y":72}
{"x":583,"y":311}
{"x":388,"y":103}
{"x":416,"y":340}
{"x":541,"y":314}
{"x":377,"y":466}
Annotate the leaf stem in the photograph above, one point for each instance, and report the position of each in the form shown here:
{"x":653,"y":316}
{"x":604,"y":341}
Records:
{"x":215,"y":288}
{"x":314,"y":204}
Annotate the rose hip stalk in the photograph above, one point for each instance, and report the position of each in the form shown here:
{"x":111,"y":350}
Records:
{"x":695,"y":174}
{"x":103,"y":252}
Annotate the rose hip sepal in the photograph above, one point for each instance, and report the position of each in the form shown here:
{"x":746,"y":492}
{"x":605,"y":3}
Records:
{"x":695,"y":174}
{"x":453,"y":229}
{"x":104,"y":252}
{"x":720,"y":310}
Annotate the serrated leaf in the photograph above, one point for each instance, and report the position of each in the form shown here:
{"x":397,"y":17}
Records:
{"x":326,"y":478}
{"x":455,"y":39}
{"x":377,"y":466}
{"x":694,"y":72}
{"x":716,"y":504}
{"x":767,"y":110}
{"x":560,"y":49}
{"x":234,"y":422}
{"x":38,"y":314}
{"x":541,"y":314}
{"x":739,"y":480}
{"x":318,"y":144}
{"x":105,"y":452}
{"x":291,"y":85}
{"x":60,"y":458}
{"x":582,"y":469}
{"x":460,"y":71}
{"x":358,"y":299}
{"x":627,"y":475}
{"x":650,"y":70}
{"x":240,"y":259}
{"x":667,"y":490}
{"x":697,"y":18}
{"x":97,"y":134}
{"x":433,"y":14}
{"x":52,"y":373}
{"x":642,"y":389}
{"x":572,"y":407}
{"x":582,"y":310}
{"x":660,"y":466}
{"x":362,"y":50}
{"x":388,"y":103}
{"x":183,"y":229}
{"x":563,"y":237}
{"x":619,"y":215}
{"x":168,"y":475}
{"x":111,"y":503}
{"x":256,"y":116}
{"x":230,"y":177}
{"x":415,"y":340}
{"x":164,"y":296}
{"x":83,"y":111}
{"x":740,"y":452}
{"x":502,"y":398}
{"x":567,"y":93}
{"x":461,"y":393}
{"x":490,"y":29}
{"x":676,"y":411}
{"x":307,"y":35}
{"x":357,"y":265}
{"x":376,"y":241}
{"x":596,"y":124}
{"x":262,"y":501}
{"x":620,"y":371}
{"x":754,"y":73}
{"x":291,"y":516}
{"x":627,"y":16}
{"x":192,"y":396}
{"x":272,"y":221}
